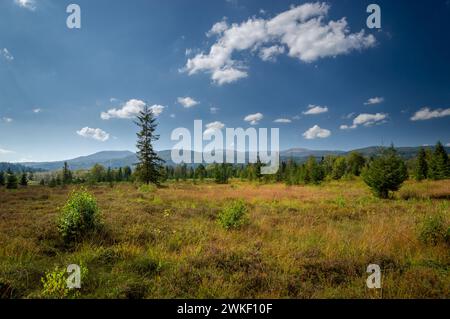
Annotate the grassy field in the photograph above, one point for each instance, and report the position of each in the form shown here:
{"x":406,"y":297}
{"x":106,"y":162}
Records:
{"x":299,"y":242}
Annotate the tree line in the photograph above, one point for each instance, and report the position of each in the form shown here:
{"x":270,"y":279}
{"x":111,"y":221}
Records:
{"x":383,"y":173}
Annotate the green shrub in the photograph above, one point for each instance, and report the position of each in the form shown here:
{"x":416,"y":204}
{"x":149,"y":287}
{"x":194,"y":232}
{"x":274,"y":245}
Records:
{"x":55,"y":284}
{"x":433,"y":230}
{"x":79,"y":216}
{"x":385,"y":173}
{"x":234,"y":215}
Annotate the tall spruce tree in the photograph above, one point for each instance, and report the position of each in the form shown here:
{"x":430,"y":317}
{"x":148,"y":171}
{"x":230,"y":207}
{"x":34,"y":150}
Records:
{"x":66,"y":174}
{"x":127,"y":173}
{"x":439,"y":164}
{"x":149,"y":167}
{"x":2,"y":178}
{"x":421,"y":170}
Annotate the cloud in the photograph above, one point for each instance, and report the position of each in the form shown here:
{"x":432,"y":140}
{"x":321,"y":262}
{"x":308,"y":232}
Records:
{"x":270,"y":53}
{"x":94,"y":133}
{"x":130,"y":109}
{"x":4,"y":152}
{"x":227,"y":75}
{"x":6,"y":54}
{"x":218,"y":28}
{"x":316,"y":132}
{"x":187,"y":102}
{"x":214,"y":109}
{"x":7,"y":119}
{"x":254,"y":118}
{"x":37,"y":110}
{"x":157,"y":109}
{"x":213,"y":127}
{"x":448,"y":144}
{"x":282,"y":121}
{"x":172,"y":115}
{"x":315,"y":109}
{"x":349,"y":115}
{"x":27,"y":4}
{"x":428,"y":114}
{"x":366,"y":120}
{"x":301,"y":31}
{"x":374,"y":100}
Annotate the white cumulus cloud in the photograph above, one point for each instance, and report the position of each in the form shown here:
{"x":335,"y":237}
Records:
{"x":227,"y":75}
{"x":187,"y":102}
{"x":316,"y":132}
{"x":428,"y":114}
{"x":130,"y":109}
{"x":213,"y":127}
{"x":218,"y":28}
{"x":374,"y":100}
{"x":315,"y":109}
{"x":7,"y":119}
{"x":254,"y":118}
{"x":301,"y":31}
{"x":366,"y":120}
{"x":94,"y":133}
{"x":27,"y":4}
{"x":270,"y":53}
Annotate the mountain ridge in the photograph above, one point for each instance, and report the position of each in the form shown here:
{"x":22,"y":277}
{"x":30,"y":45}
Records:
{"x":115,"y":159}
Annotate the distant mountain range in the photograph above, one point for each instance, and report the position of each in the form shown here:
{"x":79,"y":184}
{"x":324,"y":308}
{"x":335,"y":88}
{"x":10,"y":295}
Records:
{"x":115,"y":159}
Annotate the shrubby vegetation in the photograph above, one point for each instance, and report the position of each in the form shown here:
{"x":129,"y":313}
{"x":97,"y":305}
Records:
{"x":234,"y":215}
{"x":54,"y":283}
{"x":434,"y":230}
{"x":385,"y":173}
{"x":79,"y":216}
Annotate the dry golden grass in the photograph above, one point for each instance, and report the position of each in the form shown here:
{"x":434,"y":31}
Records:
{"x":300,"y":242}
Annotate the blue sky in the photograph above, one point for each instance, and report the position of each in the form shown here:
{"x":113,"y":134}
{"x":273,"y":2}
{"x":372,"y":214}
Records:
{"x":330,"y":83}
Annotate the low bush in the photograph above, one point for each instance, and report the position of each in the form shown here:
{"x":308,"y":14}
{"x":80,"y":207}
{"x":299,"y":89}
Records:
{"x":55,"y":284}
{"x":80,"y":215}
{"x":234,"y":215}
{"x":433,"y":230}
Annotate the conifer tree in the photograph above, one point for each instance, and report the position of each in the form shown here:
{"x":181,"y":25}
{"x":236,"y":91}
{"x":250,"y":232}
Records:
{"x":421,"y":169}
{"x":127,"y":173}
{"x":149,"y":167}
{"x":66,"y":174}
{"x":385,"y":173}
{"x":439,"y":164}
{"x":24,"y":180}
{"x":355,"y":163}
{"x":314,"y":171}
{"x":11,"y":180}
{"x":119,"y":175}
{"x":258,"y":166}
{"x":2,"y":178}
{"x":339,"y":168}
{"x":200,"y":172}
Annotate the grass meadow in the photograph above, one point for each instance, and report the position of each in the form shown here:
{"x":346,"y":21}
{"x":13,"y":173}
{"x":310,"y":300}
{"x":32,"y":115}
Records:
{"x":298,"y":242}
